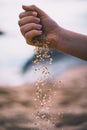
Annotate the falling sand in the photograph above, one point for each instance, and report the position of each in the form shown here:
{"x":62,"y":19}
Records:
{"x":44,"y":87}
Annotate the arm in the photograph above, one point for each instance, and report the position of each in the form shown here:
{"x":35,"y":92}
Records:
{"x":73,"y":43}
{"x":56,"y":37}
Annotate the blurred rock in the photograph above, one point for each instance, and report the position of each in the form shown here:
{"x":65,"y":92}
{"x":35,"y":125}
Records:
{"x":1,"y":32}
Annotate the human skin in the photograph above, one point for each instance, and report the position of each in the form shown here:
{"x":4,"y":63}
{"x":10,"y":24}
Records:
{"x":38,"y":29}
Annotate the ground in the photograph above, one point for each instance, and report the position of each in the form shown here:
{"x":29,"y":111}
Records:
{"x":66,"y":109}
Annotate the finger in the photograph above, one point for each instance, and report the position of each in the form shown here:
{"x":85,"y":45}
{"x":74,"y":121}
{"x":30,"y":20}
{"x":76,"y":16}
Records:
{"x":33,"y":33}
{"x":27,"y":13}
{"x":29,"y":19}
{"x":34,"y":8}
{"x":24,"y":29}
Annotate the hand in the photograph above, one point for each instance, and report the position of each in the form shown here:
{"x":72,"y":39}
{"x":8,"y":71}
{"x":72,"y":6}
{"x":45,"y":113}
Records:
{"x":38,"y":28}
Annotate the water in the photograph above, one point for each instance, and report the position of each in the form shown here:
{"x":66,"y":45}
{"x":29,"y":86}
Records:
{"x":71,"y":14}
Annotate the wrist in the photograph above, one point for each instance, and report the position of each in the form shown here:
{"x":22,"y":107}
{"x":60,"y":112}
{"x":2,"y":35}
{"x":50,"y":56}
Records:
{"x":59,"y":38}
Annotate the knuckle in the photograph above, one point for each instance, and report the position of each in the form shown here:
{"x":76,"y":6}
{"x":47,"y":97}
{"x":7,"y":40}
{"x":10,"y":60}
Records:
{"x":20,"y":15}
{"x":22,"y":29}
{"x":28,"y":42}
{"x":27,"y":35}
{"x":33,"y":6}
{"x":19,"y":22}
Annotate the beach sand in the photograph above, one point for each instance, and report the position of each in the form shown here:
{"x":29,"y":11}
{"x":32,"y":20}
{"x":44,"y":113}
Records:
{"x":66,"y":109}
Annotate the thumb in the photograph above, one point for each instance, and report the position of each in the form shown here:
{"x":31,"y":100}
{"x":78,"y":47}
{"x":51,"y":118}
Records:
{"x":34,"y":8}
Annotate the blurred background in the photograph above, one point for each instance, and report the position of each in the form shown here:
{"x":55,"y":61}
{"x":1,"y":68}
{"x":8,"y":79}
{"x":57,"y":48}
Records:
{"x":65,"y":106}
{"x":16,"y":55}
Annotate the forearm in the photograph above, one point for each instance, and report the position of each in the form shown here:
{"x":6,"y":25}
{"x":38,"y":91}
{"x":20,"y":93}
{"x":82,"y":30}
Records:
{"x":73,"y":43}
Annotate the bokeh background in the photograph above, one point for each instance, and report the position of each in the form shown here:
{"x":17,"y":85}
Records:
{"x":19,"y":109}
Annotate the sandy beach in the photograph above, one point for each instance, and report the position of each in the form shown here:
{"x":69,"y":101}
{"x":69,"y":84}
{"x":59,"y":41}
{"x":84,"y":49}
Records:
{"x":65,"y":106}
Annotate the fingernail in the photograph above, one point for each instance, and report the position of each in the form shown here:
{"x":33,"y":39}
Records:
{"x":38,"y":19}
{"x":39,"y":26}
{"x":40,"y":32}
{"x":34,"y":13}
